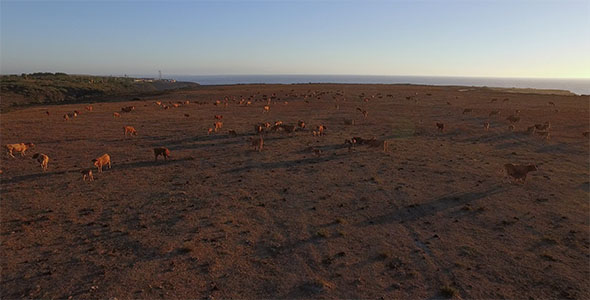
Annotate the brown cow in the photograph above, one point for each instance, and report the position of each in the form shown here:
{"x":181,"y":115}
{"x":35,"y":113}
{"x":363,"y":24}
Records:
{"x":218,"y":125}
{"x":105,"y":159}
{"x":519,"y":172}
{"x":129,"y":130}
{"x":257,"y":143}
{"x":42,"y":159}
{"x":128,"y":108}
{"x":161,"y":151}
{"x":21,"y":148}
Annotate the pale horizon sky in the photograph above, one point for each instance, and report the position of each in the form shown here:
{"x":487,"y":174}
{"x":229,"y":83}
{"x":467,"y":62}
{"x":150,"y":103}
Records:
{"x":526,"y":38}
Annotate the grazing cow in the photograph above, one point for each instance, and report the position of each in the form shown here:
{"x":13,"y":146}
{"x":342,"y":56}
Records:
{"x":364,"y":112}
{"x":511,"y":127}
{"x":260,"y":127}
{"x":351,"y":143}
{"x":42,"y":159}
{"x":301,"y":124}
{"x":441,"y":126}
{"x":209,"y":131}
{"x":158,"y":103}
{"x":544,"y":126}
{"x":544,"y":134}
{"x":232,"y":133}
{"x":47,"y":112}
{"x":128,"y":109}
{"x":21,"y":148}
{"x":105,"y":159}
{"x":288,"y":128}
{"x":374,"y":143}
{"x":89,"y":108}
{"x":319,"y":130}
{"x":218,"y":125}
{"x":87,"y":174}
{"x":493,"y":113}
{"x":467,"y":110}
{"x":66,"y":117}
{"x":266,"y":109}
{"x":257,"y":143}
{"x":161,"y":151}
{"x":551,"y":103}
{"x":116,"y":115}
{"x":486,"y":126}
{"x":129,"y":130}
{"x":176,"y":105}
{"x":513,"y":119}
{"x":519,"y":172}
{"x":218,"y":117}
{"x":531,"y":130}
{"x":187,"y":115}
{"x":449,"y":103}
{"x":586,"y":133}
{"x":516,"y":112}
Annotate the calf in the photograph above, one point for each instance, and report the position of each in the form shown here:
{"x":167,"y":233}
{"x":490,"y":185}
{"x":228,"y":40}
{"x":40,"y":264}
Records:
{"x":87,"y":174}
{"x":441,"y":126}
{"x":42,"y":159}
{"x":129,"y":130}
{"x":218,"y":125}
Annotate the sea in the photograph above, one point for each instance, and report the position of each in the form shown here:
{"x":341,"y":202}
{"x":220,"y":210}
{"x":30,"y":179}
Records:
{"x":576,"y":86}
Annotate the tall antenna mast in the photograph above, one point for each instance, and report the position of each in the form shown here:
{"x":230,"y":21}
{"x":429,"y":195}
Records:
{"x":160,"y":72}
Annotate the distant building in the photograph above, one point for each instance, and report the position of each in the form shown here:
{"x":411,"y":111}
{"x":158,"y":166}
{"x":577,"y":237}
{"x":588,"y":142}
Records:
{"x":153,"y":80}
{"x":143,"y":80}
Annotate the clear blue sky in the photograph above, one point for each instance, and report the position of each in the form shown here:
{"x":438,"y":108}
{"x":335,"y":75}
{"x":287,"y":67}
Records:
{"x":440,"y":38}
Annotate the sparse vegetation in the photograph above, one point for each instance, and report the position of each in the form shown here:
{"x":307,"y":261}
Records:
{"x":52,"y":88}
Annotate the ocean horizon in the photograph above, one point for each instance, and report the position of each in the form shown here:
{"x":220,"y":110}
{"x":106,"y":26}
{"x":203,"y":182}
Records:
{"x":576,"y":86}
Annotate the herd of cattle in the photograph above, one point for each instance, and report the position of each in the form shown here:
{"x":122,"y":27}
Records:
{"x":517,"y":172}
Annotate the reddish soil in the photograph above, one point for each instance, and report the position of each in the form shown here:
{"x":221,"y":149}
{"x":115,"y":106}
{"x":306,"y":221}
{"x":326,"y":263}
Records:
{"x":435,"y":216}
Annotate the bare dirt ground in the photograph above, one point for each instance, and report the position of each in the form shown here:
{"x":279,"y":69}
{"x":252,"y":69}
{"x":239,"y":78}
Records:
{"x":432,"y":217}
